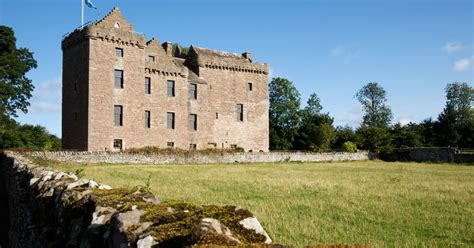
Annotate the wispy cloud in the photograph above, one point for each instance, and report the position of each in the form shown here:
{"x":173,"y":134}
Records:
{"x":351,"y":118}
{"x":47,"y":96}
{"x":452,"y":47}
{"x":347,"y":55}
{"x":39,"y":107}
{"x":463,"y":64}
{"x":51,"y":87}
{"x":403,"y":120}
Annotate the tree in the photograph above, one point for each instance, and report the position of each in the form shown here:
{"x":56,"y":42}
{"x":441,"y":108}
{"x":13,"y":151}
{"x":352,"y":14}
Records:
{"x":455,"y":125}
{"x":315,"y":132}
{"x":343,"y":135}
{"x":406,"y":136}
{"x":15,"y":87}
{"x":374,"y":138}
{"x":283,"y":114}
{"x":373,"y":100}
{"x":314,"y":105}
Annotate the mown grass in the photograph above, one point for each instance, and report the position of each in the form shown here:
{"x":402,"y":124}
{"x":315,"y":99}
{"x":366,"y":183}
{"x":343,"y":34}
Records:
{"x":370,"y":202}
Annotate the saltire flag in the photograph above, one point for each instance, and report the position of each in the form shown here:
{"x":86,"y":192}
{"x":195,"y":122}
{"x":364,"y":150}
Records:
{"x":90,"y":4}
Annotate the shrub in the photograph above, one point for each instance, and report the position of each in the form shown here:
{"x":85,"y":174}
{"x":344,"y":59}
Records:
{"x":349,"y":147}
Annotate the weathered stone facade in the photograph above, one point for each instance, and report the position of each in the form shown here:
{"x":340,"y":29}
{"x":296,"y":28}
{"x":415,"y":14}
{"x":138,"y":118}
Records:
{"x":224,"y":82}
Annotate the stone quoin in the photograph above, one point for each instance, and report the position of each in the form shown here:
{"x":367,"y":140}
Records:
{"x":121,"y":91}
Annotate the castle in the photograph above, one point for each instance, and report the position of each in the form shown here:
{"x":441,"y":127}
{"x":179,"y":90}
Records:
{"x":121,"y":91}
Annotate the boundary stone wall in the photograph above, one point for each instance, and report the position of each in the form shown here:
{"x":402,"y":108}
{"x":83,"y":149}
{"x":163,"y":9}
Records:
{"x":200,"y":158}
{"x":429,"y":154}
{"x":41,"y":207}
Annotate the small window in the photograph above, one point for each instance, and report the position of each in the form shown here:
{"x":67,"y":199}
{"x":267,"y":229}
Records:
{"x":170,"y":145}
{"x":217,"y":115}
{"x":239,"y":112}
{"x":170,"y":88}
{"x":249,"y":87}
{"x":75,"y":86}
{"x":192,"y":146}
{"x":151,"y":58}
{"x":118,"y":144}
{"x":117,"y":25}
{"x":193,"y":122}
{"x":147,"y":85}
{"x":75,"y":116}
{"x":233,"y":146}
{"x":118,"y":115}
{"x":119,"y":52}
{"x":147,"y":119}
{"x":118,"y":74}
{"x":211,"y":145}
{"x":170,"y":120}
{"x":193,"y":91}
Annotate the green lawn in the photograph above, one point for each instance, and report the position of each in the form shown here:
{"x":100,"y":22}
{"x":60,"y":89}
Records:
{"x":371,"y":202}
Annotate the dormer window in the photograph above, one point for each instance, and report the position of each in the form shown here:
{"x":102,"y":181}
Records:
{"x":117,"y":25}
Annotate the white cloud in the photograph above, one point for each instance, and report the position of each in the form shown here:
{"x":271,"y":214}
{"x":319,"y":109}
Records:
{"x":463,"y":64}
{"x":48,"y":88}
{"x":337,"y":51}
{"x":45,"y":107}
{"x":453,"y":46}
{"x":404,"y":120}
{"x":346,"y":54}
{"x":351,"y":55}
{"x":351,"y":118}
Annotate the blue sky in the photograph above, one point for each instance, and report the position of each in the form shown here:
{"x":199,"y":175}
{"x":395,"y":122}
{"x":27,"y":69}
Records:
{"x":413,"y":48}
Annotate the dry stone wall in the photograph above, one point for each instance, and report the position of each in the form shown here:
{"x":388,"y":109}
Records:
{"x":200,"y":158}
{"x":41,"y":207}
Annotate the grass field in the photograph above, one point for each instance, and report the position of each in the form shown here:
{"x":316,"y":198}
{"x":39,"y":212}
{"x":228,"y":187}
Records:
{"x":370,"y":202}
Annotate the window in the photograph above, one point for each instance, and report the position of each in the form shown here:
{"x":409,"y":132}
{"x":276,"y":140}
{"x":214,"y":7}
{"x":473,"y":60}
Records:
{"x":249,"y":86}
{"x":217,"y":115}
{"x":239,"y":112}
{"x":118,"y":144}
{"x":233,"y":146}
{"x":75,"y":116}
{"x":147,"y":85}
{"x":118,"y":52}
{"x":169,"y":145}
{"x":75,"y":86}
{"x":170,"y":88}
{"x":147,"y":119}
{"x":170,"y":120}
{"x":118,"y":115}
{"x":118,"y":79}
{"x":193,"y":122}
{"x":211,"y":145}
{"x":193,"y":91}
{"x":151,"y":58}
{"x":192,"y":146}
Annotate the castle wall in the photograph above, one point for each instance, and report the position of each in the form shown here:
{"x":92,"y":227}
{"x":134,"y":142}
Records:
{"x":75,"y":92}
{"x":227,"y":89}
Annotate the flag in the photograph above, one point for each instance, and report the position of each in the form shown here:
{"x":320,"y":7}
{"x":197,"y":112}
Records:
{"x":90,"y":4}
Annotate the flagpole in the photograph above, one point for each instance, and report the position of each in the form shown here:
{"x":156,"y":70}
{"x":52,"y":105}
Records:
{"x":82,"y":16}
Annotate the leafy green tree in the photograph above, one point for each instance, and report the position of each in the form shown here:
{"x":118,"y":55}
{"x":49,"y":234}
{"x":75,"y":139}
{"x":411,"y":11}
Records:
{"x":373,"y":100}
{"x":374,"y":138}
{"x":15,"y":87}
{"x":316,"y":131}
{"x":406,"y":136}
{"x":455,"y":125}
{"x":343,"y":135}
{"x":283,"y":114}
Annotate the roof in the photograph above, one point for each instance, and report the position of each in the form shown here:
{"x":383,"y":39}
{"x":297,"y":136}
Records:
{"x":192,"y":77}
{"x":208,"y":57}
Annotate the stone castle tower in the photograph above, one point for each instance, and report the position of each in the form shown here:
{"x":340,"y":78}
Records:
{"x":121,"y":91}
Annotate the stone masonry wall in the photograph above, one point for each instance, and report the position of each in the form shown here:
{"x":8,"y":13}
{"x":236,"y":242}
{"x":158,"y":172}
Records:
{"x":41,"y":207}
{"x":196,"y":157}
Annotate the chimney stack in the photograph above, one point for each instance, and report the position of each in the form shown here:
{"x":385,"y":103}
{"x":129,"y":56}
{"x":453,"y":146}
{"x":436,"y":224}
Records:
{"x":168,"y":46}
{"x":247,"y":55}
